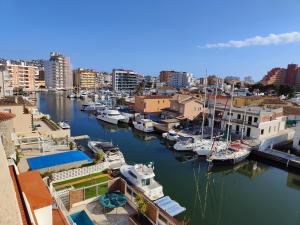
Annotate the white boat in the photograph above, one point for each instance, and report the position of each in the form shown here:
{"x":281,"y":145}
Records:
{"x":110,"y":116}
{"x":94,"y":106}
{"x":83,"y":94}
{"x":144,"y":125}
{"x":234,"y":154}
{"x":171,"y":135}
{"x":187,"y":143}
{"x":142,"y":176}
{"x":64,"y":125}
{"x":128,"y":117}
{"x":112,"y":154}
{"x":72,"y":95}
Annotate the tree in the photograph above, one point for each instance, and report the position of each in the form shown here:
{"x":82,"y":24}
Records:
{"x":286,"y":90}
{"x":141,"y":204}
{"x":121,"y":101}
{"x":238,"y":85}
{"x":140,"y":88}
{"x":71,"y":145}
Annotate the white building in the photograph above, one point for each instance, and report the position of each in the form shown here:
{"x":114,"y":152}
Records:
{"x":259,"y":123}
{"x":103,"y":79}
{"x":6,"y":88}
{"x":181,"y":80}
{"x":58,"y":72}
{"x":125,"y":80}
{"x":296,"y":140}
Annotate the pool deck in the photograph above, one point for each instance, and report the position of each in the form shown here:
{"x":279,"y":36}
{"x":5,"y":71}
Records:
{"x":119,"y":216}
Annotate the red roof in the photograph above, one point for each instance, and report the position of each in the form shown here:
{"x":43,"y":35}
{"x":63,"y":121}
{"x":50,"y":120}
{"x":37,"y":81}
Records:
{"x":6,"y":116}
{"x":35,"y":190}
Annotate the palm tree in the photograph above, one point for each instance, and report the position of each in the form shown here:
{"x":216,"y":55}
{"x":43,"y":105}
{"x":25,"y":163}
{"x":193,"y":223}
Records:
{"x":140,"y":88}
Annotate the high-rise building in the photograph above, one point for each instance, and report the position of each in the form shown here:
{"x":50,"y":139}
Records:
{"x":22,"y":75}
{"x":103,"y":79}
{"x":58,"y":72}
{"x":125,"y":80}
{"x":85,"y":78}
{"x":6,"y":88}
{"x":289,"y":76}
{"x":165,"y":76}
{"x":181,"y":80}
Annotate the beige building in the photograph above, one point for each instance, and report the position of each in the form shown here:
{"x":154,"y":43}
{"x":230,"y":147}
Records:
{"x":184,"y":107}
{"x":151,"y":103}
{"x":22,"y":122}
{"x":85,"y":78}
{"x":22,"y":75}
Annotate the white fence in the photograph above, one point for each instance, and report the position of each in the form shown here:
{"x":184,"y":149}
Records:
{"x":79,"y":172}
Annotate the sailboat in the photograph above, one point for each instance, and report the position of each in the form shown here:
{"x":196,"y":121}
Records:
{"x":234,"y":152}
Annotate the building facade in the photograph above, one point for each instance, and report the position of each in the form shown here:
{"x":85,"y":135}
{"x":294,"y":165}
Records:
{"x":165,"y":76}
{"x":125,"y":80}
{"x":6,"y":88}
{"x":250,"y":122}
{"x":181,"y":80}
{"x":85,"y":78}
{"x":103,"y":79}
{"x":151,"y":103}
{"x":58,"y":72}
{"x":289,"y":76}
{"x":22,"y":75}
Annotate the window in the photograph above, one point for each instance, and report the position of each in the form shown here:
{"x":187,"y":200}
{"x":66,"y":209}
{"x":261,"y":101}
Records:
{"x":262,"y":131}
{"x":7,"y":110}
{"x":132,"y":174}
{"x":255,"y":119}
{"x":239,"y":116}
{"x":299,"y":142}
{"x":145,"y":182}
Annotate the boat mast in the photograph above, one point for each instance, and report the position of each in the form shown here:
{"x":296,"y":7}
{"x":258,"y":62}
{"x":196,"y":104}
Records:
{"x":214,"y":111}
{"x":204,"y":103}
{"x":229,"y":120}
{"x":243,"y":124}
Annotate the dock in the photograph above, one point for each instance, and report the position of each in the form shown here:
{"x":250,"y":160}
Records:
{"x":285,"y":159}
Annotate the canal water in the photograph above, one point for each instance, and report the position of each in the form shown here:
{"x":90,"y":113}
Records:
{"x":251,"y":193}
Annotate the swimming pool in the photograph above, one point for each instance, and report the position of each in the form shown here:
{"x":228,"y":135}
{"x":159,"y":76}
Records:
{"x":57,"y":159}
{"x":81,"y":218}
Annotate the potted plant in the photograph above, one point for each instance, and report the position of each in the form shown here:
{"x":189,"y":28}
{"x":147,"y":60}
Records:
{"x":141,"y":205}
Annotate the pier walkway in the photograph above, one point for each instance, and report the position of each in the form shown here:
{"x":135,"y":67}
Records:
{"x":286,"y":159}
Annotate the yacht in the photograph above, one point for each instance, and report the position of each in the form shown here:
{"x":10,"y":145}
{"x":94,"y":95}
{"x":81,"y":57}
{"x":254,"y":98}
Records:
{"x":232,"y":155}
{"x":142,"y":176}
{"x":144,"y":125}
{"x":112,"y":154}
{"x":83,"y":95}
{"x":94,"y":106}
{"x":171,"y":135}
{"x":110,"y":116}
{"x":64,"y":125}
{"x":187,"y":143}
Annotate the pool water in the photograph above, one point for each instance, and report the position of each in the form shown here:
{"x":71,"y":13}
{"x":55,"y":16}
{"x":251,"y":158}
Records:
{"x":81,"y":218}
{"x":46,"y":161}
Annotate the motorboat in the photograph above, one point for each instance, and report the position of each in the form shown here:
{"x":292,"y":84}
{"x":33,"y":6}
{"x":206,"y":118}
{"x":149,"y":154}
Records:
{"x":234,"y":154}
{"x":112,"y":154}
{"x":128,"y":117}
{"x":64,"y":125}
{"x":94,"y":106}
{"x":83,"y":95}
{"x":72,"y":95}
{"x":145,"y":125}
{"x":142,"y":176}
{"x":187,"y":143}
{"x":171,"y":135}
{"x":110,"y":116}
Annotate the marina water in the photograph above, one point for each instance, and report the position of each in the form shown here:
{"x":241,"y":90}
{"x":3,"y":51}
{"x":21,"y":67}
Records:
{"x":250,"y":193}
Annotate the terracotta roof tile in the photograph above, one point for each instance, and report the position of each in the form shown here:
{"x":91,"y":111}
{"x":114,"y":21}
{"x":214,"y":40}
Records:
{"x":6,"y":116}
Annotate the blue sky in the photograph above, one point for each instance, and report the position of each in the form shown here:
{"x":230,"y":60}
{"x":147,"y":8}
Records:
{"x":152,"y":35}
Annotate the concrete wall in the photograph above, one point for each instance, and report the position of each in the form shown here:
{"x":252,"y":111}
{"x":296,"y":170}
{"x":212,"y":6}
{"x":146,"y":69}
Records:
{"x":6,"y":130}
{"x":21,"y":122}
{"x":44,"y":215}
{"x":9,"y":209}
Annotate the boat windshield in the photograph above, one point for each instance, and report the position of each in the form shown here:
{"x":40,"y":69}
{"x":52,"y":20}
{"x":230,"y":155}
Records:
{"x":113,"y":114}
{"x":145,"y":182}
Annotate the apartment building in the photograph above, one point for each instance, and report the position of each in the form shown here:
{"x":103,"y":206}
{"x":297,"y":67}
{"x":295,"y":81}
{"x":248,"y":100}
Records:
{"x":181,"y":80}
{"x":58,"y":72}
{"x":103,"y":79}
{"x":85,"y":78}
{"x":151,"y":103}
{"x":258,"y":122}
{"x":6,"y":88}
{"x":22,"y":75}
{"x":165,"y":76}
{"x":184,"y":107}
{"x":125,"y":80}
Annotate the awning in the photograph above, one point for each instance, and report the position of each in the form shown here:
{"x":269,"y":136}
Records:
{"x":170,"y":206}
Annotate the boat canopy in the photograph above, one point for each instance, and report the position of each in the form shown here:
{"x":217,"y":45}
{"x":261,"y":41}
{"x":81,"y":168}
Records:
{"x":170,"y":206}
